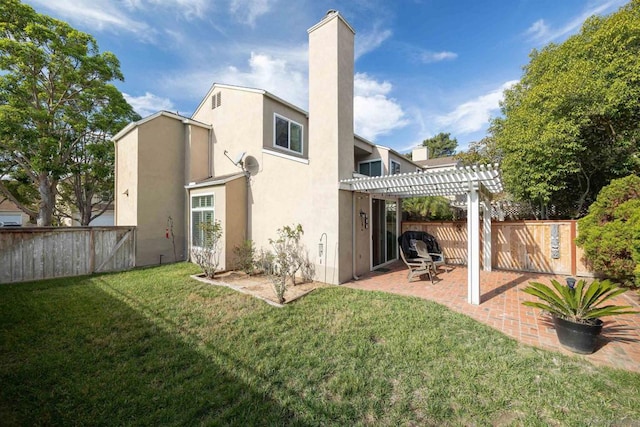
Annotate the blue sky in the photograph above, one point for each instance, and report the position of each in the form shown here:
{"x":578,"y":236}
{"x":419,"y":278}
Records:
{"x":422,"y":66}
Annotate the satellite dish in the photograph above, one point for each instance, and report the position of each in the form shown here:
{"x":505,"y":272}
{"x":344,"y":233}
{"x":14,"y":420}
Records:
{"x":239,"y":158}
{"x":251,"y":165}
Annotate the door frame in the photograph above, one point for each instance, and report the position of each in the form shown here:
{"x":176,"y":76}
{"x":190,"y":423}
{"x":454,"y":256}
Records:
{"x":371,"y":236}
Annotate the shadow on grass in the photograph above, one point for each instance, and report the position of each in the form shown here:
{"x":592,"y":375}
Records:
{"x":75,"y":354}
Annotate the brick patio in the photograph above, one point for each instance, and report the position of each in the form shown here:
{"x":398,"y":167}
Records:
{"x":501,"y":307}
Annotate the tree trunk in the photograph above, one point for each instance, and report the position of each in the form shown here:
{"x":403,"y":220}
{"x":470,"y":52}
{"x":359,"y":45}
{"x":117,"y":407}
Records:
{"x":47,"y":190}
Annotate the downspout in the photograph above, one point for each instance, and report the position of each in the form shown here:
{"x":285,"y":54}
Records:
{"x":353,"y":236}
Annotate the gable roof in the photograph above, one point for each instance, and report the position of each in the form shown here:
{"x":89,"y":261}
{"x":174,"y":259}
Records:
{"x":131,"y":126}
{"x":438,"y":162}
{"x":250,"y":90}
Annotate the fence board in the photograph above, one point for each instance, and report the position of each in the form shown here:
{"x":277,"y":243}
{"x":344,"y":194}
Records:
{"x":515,"y":245}
{"x":42,"y":253}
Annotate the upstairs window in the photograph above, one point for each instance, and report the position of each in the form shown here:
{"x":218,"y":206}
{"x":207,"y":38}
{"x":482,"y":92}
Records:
{"x":394,"y":167}
{"x":370,"y":168}
{"x":287,"y":134}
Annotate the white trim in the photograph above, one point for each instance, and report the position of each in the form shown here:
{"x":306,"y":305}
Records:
{"x":289,"y":121}
{"x":214,"y":182}
{"x":285,"y":155}
{"x":128,"y":128}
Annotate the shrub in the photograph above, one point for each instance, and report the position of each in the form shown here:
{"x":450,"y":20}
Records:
{"x":264,"y":262}
{"x":245,"y":254}
{"x":610,"y":233}
{"x":289,"y":257}
{"x":207,"y":252}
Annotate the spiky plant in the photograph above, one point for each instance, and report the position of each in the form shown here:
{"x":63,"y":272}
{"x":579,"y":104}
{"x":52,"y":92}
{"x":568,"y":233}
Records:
{"x":579,"y":303}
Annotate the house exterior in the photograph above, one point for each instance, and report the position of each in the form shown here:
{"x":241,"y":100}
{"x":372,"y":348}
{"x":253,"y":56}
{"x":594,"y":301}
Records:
{"x":11,"y":213}
{"x":256,"y":163}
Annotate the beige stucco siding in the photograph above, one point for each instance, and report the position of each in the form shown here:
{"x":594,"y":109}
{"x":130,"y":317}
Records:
{"x":198,"y":156}
{"x":235,"y":218}
{"x":237,"y":126}
{"x":161,"y":180}
{"x":362,"y":233}
{"x":126,"y":191}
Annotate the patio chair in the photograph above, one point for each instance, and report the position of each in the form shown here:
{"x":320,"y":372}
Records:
{"x":417,"y":266}
{"x":408,"y":239}
{"x":437,"y":259}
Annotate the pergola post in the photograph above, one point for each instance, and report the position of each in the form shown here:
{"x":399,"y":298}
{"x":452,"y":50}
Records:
{"x":486,"y":235}
{"x":473,"y":245}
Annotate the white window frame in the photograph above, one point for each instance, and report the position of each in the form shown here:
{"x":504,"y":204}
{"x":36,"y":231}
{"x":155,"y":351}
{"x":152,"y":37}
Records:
{"x":372,"y":161}
{"x":277,"y":116}
{"x":391,"y":164}
{"x":212,"y":209}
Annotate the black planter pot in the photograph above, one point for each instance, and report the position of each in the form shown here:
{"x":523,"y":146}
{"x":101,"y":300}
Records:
{"x":577,"y":337}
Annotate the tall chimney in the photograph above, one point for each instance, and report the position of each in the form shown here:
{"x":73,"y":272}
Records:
{"x":331,"y":140}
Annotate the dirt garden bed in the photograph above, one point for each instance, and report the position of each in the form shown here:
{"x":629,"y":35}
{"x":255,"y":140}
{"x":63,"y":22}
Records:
{"x":260,"y":286}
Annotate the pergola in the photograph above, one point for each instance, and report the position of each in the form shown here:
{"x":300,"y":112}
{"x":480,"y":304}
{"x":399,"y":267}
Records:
{"x":477,"y":182}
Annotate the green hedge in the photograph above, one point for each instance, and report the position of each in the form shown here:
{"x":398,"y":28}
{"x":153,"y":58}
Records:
{"x":610,"y":233}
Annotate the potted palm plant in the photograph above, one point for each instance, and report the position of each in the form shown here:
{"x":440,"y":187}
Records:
{"x":576,"y":310}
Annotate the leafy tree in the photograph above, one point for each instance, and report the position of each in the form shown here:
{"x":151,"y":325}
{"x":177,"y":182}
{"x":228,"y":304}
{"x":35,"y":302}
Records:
{"x":56,"y":108}
{"x":610,"y":233}
{"x":428,"y":208}
{"x":441,"y":145}
{"x":484,"y":151}
{"x":572,"y":123}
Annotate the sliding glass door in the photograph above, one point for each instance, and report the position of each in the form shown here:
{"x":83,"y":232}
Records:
{"x":384,"y":219}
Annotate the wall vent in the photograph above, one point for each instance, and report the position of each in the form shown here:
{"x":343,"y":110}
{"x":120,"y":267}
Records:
{"x":216,"y":100}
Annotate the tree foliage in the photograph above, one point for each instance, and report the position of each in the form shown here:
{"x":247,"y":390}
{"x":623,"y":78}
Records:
{"x":484,"y":151}
{"x":57,"y":109}
{"x":572,"y":123}
{"x":610,"y":233}
{"x":441,"y":145}
{"x":428,"y":208}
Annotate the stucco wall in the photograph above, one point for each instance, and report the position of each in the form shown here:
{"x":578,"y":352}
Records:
{"x":126,"y":192}
{"x":161,"y":180}
{"x":235,"y":218}
{"x":198,"y":156}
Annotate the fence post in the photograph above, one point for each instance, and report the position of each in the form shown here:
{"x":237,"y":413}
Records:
{"x":92,"y":252}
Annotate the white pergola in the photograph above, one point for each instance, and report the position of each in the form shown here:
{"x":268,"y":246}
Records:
{"x":478,"y":183}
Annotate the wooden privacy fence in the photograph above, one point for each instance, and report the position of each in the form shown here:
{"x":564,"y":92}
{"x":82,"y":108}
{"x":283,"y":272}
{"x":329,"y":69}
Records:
{"x":47,"y":252}
{"x":531,"y":246}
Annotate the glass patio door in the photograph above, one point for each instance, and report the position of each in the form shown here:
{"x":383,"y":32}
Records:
{"x":384,"y":226}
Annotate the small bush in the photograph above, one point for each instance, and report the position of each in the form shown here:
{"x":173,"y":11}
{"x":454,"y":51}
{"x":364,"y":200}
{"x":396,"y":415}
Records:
{"x":245,"y":254}
{"x":264,"y":262}
{"x":207,"y":252}
{"x":610,"y":233}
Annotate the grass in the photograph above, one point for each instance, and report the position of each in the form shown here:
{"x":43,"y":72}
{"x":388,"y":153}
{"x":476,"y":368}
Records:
{"x":153,"y":347}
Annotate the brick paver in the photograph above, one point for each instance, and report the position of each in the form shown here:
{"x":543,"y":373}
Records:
{"x":501,"y":307}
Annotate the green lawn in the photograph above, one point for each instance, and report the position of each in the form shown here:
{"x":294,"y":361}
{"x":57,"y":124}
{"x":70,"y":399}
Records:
{"x":153,"y":347}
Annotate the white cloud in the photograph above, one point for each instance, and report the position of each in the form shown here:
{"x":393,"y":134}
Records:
{"x":539,"y":30}
{"x":277,"y":76}
{"x":374,"y":112}
{"x":541,"y":33}
{"x":473,"y":115}
{"x":247,"y":11}
{"x":148,"y":103}
{"x":366,"y":42}
{"x":98,"y":14}
{"x":429,"y":57}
